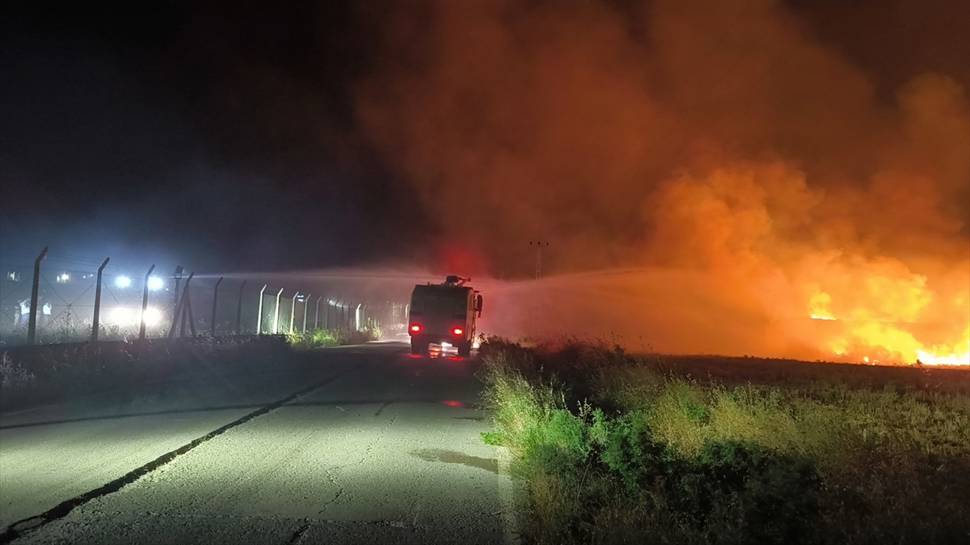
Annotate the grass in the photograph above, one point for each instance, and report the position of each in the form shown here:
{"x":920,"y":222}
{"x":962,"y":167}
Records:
{"x":31,"y":375}
{"x":322,"y":338}
{"x":613,"y":448}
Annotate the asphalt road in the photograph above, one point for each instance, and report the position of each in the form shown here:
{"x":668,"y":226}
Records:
{"x":350,"y":445}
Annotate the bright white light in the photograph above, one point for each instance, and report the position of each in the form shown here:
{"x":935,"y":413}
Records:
{"x":155,"y":283}
{"x":63,"y":278}
{"x":128,"y":317}
{"x":122,"y":282}
{"x":122,"y":317}
{"x":153,"y":316}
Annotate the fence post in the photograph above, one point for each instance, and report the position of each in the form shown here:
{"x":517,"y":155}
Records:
{"x":180,"y":309}
{"x":144,"y":304}
{"x":293,"y":310}
{"x":239,"y":309}
{"x":96,"y":320}
{"x":32,"y":319}
{"x":215,"y":301}
{"x":259,"y":312}
{"x":177,"y":275}
{"x":316,"y":314}
{"x":306,"y":306}
{"x":276,"y":313}
{"x":187,"y":308}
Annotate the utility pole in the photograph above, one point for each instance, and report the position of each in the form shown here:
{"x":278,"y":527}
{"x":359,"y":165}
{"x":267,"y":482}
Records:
{"x":96,"y":321}
{"x":539,"y":245}
{"x":34,"y":288}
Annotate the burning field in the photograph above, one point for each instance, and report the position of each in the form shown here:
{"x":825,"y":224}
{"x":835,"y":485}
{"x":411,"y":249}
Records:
{"x":739,"y":178}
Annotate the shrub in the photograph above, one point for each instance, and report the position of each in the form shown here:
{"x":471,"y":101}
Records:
{"x":662,"y":458}
{"x":743,"y":493}
{"x":13,"y":376}
{"x":322,"y":338}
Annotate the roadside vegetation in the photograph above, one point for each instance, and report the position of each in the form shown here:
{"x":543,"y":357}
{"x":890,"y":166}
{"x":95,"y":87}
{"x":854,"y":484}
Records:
{"x":322,"y":338}
{"x":612,"y":448}
{"x":32,"y":375}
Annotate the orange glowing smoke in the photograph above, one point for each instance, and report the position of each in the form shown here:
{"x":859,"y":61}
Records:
{"x":760,"y":190}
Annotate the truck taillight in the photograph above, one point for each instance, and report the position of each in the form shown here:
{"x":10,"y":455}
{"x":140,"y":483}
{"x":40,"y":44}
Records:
{"x":415,"y":328}
{"x":457,"y":331}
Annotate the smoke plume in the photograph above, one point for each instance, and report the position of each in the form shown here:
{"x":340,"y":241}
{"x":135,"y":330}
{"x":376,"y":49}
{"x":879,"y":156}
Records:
{"x":711,"y":176}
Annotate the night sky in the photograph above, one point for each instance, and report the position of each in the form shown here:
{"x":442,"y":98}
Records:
{"x":221,"y":137}
{"x":230,"y":137}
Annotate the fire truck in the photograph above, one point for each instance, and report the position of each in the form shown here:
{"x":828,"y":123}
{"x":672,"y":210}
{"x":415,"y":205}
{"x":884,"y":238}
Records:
{"x":444,"y":314}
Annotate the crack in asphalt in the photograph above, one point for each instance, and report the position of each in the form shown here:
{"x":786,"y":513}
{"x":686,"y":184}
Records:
{"x":378,"y":439}
{"x":33,"y":523}
{"x":332,"y":501}
{"x":298,"y":534}
{"x":382,"y":407}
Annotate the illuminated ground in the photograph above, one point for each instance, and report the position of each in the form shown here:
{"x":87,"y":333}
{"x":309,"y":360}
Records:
{"x":379,"y":447}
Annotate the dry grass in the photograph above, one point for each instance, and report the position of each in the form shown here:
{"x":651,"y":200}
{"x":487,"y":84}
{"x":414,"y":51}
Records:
{"x":621,"y":449}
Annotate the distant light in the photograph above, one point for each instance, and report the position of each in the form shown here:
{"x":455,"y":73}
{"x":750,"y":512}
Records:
{"x":45,"y":309}
{"x":63,"y":278}
{"x":121,"y":317}
{"x":128,"y":316}
{"x":13,"y":276}
{"x":457,"y":331}
{"x":153,"y":316}
{"x":122,"y":282}
{"x":155,"y":283}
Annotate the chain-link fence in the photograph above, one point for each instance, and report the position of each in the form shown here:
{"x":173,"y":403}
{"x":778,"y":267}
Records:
{"x":62,"y":302}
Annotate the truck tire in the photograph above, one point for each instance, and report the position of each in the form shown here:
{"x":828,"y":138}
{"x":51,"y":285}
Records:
{"x":465,"y":349}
